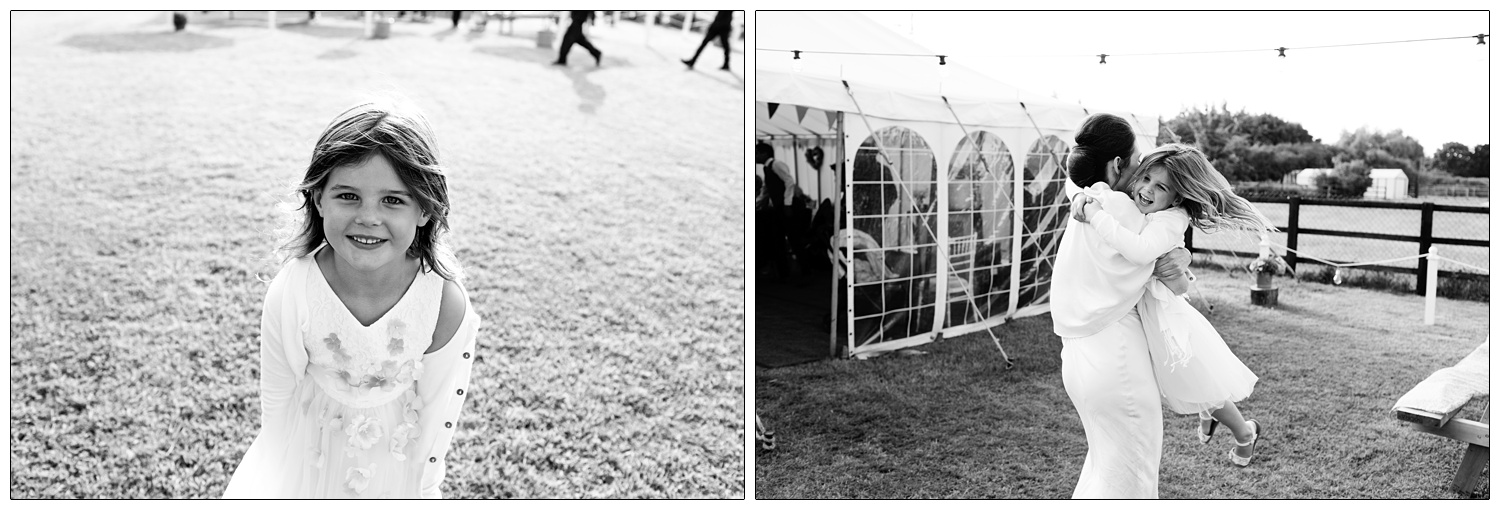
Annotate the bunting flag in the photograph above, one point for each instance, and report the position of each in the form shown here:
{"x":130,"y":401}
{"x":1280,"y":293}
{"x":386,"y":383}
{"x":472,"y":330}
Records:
{"x":801,"y":112}
{"x":833,"y":118}
{"x":771,"y":109}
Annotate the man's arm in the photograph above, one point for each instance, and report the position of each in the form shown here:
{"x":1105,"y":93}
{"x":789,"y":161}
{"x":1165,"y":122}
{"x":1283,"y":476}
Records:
{"x":1172,"y":270}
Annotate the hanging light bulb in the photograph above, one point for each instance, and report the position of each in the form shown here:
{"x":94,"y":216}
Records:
{"x":943,"y":70}
{"x":796,"y":61}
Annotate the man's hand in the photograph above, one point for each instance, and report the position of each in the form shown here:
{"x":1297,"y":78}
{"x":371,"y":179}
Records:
{"x":1173,"y":264}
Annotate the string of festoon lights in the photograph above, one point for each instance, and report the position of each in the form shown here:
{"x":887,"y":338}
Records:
{"x":1104,"y":57}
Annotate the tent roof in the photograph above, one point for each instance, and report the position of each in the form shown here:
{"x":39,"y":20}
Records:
{"x":903,"y":88}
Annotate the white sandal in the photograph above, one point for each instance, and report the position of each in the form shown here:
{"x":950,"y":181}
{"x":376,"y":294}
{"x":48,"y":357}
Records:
{"x":1212,"y":424}
{"x":1254,"y":438}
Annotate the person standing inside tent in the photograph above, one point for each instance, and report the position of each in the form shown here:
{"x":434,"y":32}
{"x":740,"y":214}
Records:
{"x":1106,"y":363}
{"x":778,"y":191}
{"x":719,"y":29}
{"x":574,"y":35}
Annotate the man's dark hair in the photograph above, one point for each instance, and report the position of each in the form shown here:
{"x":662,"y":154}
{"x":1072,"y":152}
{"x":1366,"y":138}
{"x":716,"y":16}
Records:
{"x":1102,"y":138}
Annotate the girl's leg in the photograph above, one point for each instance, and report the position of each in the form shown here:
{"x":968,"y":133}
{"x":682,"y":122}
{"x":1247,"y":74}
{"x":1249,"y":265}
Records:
{"x":1230,"y":416}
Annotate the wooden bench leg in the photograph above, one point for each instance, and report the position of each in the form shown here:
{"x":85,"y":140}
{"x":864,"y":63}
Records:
{"x":1475,"y":460}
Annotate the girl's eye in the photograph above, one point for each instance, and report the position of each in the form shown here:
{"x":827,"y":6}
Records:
{"x":346,"y":196}
{"x":394,"y":201}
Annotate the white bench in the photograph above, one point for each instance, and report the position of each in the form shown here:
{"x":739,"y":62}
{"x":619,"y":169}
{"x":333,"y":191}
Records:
{"x":1430,"y":407}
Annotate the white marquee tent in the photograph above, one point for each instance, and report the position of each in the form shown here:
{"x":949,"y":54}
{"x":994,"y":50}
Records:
{"x":954,"y":180}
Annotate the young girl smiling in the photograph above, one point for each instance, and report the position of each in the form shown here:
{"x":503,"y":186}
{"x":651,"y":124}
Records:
{"x":367,"y":338}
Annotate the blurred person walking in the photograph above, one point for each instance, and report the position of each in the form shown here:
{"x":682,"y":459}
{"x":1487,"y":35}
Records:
{"x":574,"y":35}
{"x":719,"y":28}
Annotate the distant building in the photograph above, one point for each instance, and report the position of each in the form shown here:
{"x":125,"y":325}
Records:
{"x":1387,"y":183}
{"x":1306,"y":176}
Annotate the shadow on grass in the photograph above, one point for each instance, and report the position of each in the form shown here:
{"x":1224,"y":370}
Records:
{"x":324,"y":31}
{"x":167,"y":42}
{"x":591,"y":94}
{"x":726,"y":77}
{"x":445,"y":34}
{"x":338,"y":54}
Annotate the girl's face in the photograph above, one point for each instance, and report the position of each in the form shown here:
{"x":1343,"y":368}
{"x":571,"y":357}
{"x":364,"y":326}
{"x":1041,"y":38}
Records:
{"x":369,"y":215}
{"x":1154,"y":191}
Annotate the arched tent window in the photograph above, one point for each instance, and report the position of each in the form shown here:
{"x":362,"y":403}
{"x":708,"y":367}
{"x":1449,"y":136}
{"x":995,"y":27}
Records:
{"x":894,"y":205}
{"x":980,"y":228}
{"x":1044,"y":215}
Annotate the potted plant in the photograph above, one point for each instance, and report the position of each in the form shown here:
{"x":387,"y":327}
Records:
{"x":1269,"y":264}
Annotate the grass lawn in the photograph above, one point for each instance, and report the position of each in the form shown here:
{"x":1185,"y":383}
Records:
{"x":598,"y":212}
{"x":953,"y":424}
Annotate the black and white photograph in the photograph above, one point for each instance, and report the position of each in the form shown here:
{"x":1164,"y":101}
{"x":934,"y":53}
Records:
{"x":1111,"y":254}
{"x":378,"y":254}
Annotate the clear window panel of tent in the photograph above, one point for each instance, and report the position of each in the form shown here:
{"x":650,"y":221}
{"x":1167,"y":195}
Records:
{"x":980,"y":229}
{"x":1044,"y":215}
{"x":894,"y":209}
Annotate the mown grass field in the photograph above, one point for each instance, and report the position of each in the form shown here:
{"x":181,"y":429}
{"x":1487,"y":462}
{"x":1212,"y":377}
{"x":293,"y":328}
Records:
{"x":598,"y":212}
{"x":952,"y":423}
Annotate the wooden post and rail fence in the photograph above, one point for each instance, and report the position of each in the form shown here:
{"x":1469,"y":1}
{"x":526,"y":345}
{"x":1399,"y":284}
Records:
{"x":1424,"y":239}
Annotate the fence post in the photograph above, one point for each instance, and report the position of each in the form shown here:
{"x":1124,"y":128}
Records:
{"x":1430,"y":317}
{"x":1424,"y":245}
{"x":1291,"y":234}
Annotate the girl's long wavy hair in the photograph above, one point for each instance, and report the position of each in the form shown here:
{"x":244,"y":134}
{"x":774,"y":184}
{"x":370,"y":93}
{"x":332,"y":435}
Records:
{"x":1206,"y":195}
{"x":403,"y":136}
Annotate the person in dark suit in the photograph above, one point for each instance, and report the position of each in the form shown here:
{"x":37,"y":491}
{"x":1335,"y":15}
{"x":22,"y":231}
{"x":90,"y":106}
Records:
{"x":720,"y":29}
{"x":574,"y":35}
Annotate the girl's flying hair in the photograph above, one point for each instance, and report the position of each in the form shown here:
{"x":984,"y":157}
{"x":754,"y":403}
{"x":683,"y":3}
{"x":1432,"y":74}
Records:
{"x":1208,"y":199}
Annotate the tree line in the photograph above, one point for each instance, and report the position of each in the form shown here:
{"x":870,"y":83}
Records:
{"x":1263,"y":147}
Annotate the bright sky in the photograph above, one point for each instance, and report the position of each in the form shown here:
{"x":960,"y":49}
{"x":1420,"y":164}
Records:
{"x":1435,"y":91}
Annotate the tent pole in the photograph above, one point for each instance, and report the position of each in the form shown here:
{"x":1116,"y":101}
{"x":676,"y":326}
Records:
{"x":846,"y":203}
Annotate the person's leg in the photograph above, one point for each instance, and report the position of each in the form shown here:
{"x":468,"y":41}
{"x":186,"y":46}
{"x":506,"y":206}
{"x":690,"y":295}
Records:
{"x":706,"y":38}
{"x":1230,"y":416}
{"x":724,"y":40}
{"x":1108,"y":377}
{"x":569,"y":37}
{"x":584,"y":42}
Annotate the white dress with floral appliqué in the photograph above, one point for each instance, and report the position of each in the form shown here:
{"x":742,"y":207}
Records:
{"x":363,"y":417}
